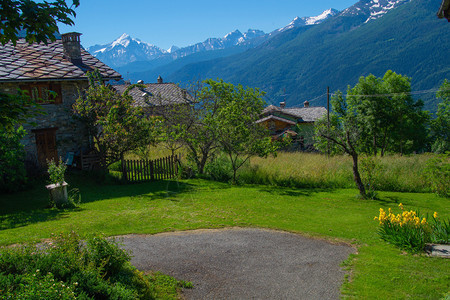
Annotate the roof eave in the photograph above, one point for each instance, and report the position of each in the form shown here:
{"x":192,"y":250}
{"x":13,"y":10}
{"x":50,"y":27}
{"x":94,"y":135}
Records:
{"x":54,"y":79}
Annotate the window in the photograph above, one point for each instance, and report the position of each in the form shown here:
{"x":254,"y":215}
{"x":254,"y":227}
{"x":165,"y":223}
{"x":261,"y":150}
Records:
{"x":44,"y":93}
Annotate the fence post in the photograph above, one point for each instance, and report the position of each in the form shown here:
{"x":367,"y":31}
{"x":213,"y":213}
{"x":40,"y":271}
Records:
{"x":152,"y":171}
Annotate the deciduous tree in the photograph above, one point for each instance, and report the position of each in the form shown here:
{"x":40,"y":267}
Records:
{"x":114,"y":123}
{"x":440,"y":126}
{"x":38,"y":19}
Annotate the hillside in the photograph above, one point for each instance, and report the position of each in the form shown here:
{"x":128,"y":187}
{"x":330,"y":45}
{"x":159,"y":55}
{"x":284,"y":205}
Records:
{"x":299,"y":64}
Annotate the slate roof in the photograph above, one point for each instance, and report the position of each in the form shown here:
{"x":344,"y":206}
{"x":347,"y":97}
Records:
{"x":156,"y":94}
{"x":444,"y":10}
{"x":302,"y":114}
{"x":40,"y":62}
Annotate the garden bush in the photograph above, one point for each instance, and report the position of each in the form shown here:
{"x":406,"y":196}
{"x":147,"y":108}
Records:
{"x":12,"y":155}
{"x":411,"y":231}
{"x":96,"y":269}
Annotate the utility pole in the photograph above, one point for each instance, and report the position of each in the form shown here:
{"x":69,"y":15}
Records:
{"x":328,"y":119}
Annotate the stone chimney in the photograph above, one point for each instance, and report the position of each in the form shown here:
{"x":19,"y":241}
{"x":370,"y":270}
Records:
{"x":72,"y":47}
{"x":140,"y":81}
{"x":282,"y":104}
{"x":160,"y":80}
{"x":306,"y":103}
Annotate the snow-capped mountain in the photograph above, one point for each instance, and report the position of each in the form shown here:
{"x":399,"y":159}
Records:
{"x":305,"y":21}
{"x":372,"y":9}
{"x":124,"y":50}
{"x":234,"y":38}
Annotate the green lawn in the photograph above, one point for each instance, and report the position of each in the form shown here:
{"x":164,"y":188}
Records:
{"x":379,"y":270}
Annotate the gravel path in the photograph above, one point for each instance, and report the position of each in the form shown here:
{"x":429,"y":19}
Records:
{"x":243,"y":263}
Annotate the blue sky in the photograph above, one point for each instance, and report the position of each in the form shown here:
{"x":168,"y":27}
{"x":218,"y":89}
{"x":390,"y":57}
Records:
{"x":182,"y":23}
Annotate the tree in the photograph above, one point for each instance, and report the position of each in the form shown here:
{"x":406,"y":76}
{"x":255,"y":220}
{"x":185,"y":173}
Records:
{"x":114,"y":123}
{"x":219,"y":117}
{"x":193,"y":125}
{"x":389,"y":117}
{"x":238,"y":134}
{"x":440,"y":126}
{"x":39,"y":20}
{"x":344,"y":132}
{"x":16,"y":109}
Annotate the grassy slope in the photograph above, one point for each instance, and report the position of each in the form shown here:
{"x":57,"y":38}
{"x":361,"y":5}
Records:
{"x":378,"y":271}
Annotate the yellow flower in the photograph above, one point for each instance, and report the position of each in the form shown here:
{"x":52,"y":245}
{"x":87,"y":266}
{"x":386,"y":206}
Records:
{"x":401,"y":206}
{"x":424,"y":221}
{"x":435,"y":215}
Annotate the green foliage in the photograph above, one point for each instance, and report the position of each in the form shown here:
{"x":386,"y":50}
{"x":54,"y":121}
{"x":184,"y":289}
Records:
{"x":370,"y":169}
{"x":12,"y":155}
{"x":220,"y":116}
{"x":39,"y":20}
{"x":56,"y":171}
{"x":440,"y":126}
{"x":36,"y":286}
{"x":389,"y":118}
{"x":116,"y":125}
{"x":16,"y":109}
{"x":238,"y":134}
{"x":71,"y":269}
{"x":438,"y":174}
{"x":219,"y":169}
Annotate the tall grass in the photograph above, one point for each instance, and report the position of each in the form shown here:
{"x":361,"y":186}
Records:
{"x":311,"y":170}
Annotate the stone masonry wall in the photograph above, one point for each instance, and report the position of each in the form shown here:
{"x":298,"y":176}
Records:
{"x":71,"y":135}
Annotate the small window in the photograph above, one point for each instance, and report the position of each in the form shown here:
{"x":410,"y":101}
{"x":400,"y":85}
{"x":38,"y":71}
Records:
{"x":44,"y":93}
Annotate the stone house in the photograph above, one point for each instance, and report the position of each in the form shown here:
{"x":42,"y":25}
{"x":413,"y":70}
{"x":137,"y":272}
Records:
{"x":42,"y":71}
{"x":296,"y":122}
{"x":157,"y":97}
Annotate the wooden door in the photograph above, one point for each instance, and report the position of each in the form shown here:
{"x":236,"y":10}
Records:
{"x":46,"y":145}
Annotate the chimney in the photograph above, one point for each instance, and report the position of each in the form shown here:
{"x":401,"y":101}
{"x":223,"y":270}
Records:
{"x":140,"y":81}
{"x":72,"y":47}
{"x":306,"y":103}
{"x":160,"y":80}
{"x":282,"y":104}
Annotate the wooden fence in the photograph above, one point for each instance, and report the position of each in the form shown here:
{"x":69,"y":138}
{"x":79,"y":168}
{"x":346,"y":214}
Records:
{"x":149,"y":170}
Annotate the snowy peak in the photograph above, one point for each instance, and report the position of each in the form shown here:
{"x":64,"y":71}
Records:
{"x":322,"y":17}
{"x":305,"y":21}
{"x":172,"y":49}
{"x":372,"y":9}
{"x":125,"y":49}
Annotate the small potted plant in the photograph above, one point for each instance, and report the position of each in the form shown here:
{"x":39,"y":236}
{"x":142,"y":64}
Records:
{"x":58,"y":187}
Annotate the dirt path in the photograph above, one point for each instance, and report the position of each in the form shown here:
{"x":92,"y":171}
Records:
{"x":243,"y":263}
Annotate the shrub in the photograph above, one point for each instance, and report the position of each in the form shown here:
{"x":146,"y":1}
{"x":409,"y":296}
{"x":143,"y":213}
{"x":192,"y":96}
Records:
{"x":12,"y":155}
{"x":370,"y":169}
{"x":96,"y":269}
{"x":438,"y":174}
{"x":411,"y":231}
{"x":56,"y":171}
{"x":219,"y":169}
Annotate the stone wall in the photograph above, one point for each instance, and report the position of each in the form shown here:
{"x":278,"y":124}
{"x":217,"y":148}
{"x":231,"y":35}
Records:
{"x":71,"y":134}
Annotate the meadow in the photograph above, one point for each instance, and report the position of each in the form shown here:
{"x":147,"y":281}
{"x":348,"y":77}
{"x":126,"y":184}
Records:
{"x":308,"y":194}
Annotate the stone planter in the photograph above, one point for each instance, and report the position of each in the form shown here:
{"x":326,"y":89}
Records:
{"x":58,"y":193}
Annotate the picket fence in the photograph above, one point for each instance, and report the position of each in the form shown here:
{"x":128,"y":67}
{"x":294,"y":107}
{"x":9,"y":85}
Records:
{"x":150,"y":170}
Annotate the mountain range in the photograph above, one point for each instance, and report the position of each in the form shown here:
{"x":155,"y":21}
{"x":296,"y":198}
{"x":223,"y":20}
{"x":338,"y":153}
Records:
{"x":129,"y":55}
{"x":297,"y":62}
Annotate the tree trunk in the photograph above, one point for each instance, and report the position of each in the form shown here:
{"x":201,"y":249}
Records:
{"x":357,"y":176}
